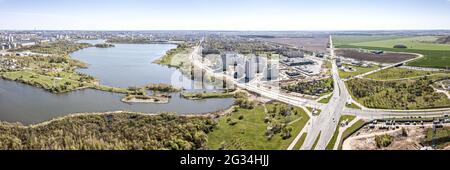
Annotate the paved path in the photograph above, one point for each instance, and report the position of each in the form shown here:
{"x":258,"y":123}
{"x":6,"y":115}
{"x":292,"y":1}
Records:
{"x":447,"y":93}
{"x":341,"y":132}
{"x":326,"y":122}
{"x":297,"y":138}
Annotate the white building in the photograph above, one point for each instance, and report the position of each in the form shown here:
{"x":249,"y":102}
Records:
{"x":250,"y":69}
{"x":272,"y":70}
{"x":11,"y":39}
{"x":27,"y":44}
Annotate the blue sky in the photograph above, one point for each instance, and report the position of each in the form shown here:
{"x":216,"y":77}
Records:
{"x":225,"y":14}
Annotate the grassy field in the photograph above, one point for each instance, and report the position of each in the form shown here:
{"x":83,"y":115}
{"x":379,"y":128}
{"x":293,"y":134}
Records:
{"x":329,"y":66}
{"x":419,"y":43}
{"x":300,"y":142}
{"x":59,"y":83}
{"x":436,"y":55}
{"x":326,"y":100}
{"x":333,"y":139}
{"x":310,"y":109}
{"x":359,"y":71}
{"x":350,"y":130}
{"x":399,"y":73}
{"x":65,"y":83}
{"x":249,"y":132}
{"x":352,"y":39}
{"x":111,"y":89}
{"x":353,"y":106}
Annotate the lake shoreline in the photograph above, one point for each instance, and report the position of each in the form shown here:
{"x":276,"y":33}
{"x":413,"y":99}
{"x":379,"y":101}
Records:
{"x":29,"y":104}
{"x":212,"y":115}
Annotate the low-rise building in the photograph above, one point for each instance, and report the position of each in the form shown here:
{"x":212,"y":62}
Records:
{"x":297,"y":62}
{"x":27,"y":44}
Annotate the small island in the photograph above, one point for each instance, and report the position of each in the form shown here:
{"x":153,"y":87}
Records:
{"x":105,"y":45}
{"x":158,"y":99}
{"x":166,"y":88}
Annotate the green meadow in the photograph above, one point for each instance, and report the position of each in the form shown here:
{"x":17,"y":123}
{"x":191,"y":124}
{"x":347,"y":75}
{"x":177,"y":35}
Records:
{"x":435,"y":55}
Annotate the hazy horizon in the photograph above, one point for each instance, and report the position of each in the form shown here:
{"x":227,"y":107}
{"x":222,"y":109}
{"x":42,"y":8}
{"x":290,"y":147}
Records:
{"x":225,"y":15}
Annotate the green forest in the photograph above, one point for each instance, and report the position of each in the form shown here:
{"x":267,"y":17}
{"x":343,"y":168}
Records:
{"x":407,"y":94}
{"x":112,"y":131}
{"x":316,"y":87}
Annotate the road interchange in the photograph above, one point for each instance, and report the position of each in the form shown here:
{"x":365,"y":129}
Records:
{"x":326,"y":122}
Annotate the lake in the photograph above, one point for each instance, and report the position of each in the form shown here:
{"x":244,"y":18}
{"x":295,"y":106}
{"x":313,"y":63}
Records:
{"x":122,"y":66}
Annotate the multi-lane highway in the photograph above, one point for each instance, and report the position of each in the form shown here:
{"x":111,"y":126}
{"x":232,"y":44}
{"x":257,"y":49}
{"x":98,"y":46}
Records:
{"x":326,"y":122}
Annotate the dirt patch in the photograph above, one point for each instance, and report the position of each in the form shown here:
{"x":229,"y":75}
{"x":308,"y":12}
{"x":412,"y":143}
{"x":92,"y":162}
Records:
{"x":386,"y":57}
{"x":313,"y":44}
{"x":365,"y":139}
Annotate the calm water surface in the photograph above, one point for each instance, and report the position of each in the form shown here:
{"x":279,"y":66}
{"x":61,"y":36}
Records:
{"x":123,"y":66}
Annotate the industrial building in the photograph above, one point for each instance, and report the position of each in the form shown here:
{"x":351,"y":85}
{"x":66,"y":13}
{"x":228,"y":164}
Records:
{"x":297,"y":62}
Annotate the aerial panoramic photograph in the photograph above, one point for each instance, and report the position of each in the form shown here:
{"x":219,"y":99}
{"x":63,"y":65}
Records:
{"x":225,"y":75}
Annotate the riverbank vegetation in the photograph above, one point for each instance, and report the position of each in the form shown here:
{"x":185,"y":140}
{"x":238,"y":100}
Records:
{"x":242,"y":100}
{"x":176,"y":57}
{"x":268,"y":126}
{"x":54,"y":84}
{"x":406,"y":94}
{"x":166,"y":88}
{"x":111,"y":89}
{"x":158,"y":99}
{"x":111,"y":131}
{"x":206,"y":95}
{"x":55,"y":71}
{"x":57,"y":48}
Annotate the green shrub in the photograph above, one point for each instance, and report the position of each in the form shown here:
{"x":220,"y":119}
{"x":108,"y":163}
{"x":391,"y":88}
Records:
{"x":384,"y":140}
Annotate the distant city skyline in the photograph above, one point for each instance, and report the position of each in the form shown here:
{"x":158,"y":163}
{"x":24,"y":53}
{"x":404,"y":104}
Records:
{"x":239,"y":15}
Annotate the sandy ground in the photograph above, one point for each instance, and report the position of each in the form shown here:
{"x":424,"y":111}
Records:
{"x":365,"y":139}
